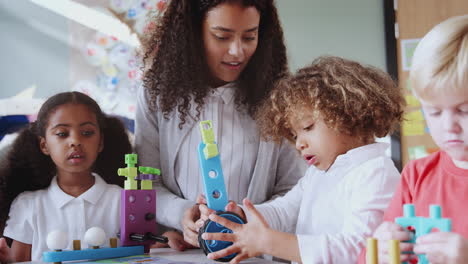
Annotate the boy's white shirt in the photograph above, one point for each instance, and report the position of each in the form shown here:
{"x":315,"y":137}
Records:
{"x":332,"y":212}
{"x":33,"y":215}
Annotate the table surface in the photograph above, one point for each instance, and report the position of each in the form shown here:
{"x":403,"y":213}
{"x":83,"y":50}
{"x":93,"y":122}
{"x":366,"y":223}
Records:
{"x":191,"y":255}
{"x":196,"y":255}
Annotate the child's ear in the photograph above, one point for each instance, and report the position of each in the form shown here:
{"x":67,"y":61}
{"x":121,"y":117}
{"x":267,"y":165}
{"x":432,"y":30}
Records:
{"x":43,"y":146}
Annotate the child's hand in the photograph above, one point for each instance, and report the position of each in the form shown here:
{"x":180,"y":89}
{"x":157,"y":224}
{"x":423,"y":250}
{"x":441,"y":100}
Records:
{"x":388,"y":231}
{"x":246,"y":238}
{"x":443,"y":247}
{"x":4,"y":251}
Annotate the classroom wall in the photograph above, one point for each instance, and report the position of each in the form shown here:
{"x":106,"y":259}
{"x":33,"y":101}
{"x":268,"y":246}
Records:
{"x":34,"y":49}
{"x":351,"y":29}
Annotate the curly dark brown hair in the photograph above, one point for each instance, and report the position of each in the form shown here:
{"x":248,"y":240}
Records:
{"x":28,"y":169}
{"x":357,"y":100}
{"x":176,"y":69}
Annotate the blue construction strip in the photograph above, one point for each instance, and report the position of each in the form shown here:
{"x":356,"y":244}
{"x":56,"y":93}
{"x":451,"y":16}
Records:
{"x":90,"y":254}
{"x":215,"y":190}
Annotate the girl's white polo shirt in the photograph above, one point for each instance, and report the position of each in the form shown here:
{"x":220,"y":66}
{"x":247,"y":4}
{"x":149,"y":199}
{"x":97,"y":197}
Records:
{"x":35,"y":214}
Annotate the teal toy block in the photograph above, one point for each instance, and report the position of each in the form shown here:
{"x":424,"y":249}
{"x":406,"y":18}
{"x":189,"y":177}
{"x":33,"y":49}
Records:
{"x":423,"y":225}
{"x":409,"y":219}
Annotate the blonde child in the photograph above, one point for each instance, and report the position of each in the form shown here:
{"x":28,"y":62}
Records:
{"x":61,"y":174}
{"x":332,"y":111}
{"x":439,"y":77}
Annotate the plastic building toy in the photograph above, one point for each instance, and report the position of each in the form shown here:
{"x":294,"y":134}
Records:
{"x":130,"y":172}
{"x":138,"y":207}
{"x":394,"y":251}
{"x":137,"y":222}
{"x":215,"y":191}
{"x":423,"y":225}
{"x":147,"y":176}
{"x":372,"y":256}
{"x":94,"y":237}
{"x":100,"y":253}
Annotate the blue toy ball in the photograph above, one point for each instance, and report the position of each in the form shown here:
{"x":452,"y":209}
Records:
{"x":210,"y":246}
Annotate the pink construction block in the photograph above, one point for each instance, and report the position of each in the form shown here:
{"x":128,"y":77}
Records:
{"x":138,"y":218}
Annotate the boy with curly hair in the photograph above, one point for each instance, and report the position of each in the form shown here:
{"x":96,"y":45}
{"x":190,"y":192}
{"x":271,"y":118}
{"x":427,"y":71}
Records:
{"x":332,"y":111}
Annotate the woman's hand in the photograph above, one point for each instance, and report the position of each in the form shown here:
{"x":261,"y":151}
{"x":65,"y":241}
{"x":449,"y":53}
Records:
{"x":191,"y":221}
{"x":234,"y":208}
{"x":176,"y":241}
{"x":190,"y":230}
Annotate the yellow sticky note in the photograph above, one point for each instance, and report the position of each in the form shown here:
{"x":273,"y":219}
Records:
{"x":412,"y":101}
{"x":414,"y":116}
{"x":413,"y":128}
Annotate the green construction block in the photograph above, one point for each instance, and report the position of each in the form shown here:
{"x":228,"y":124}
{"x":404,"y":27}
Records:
{"x":129,"y":172}
{"x":131,"y":184}
{"x":149,"y":170}
{"x":146,"y":185}
{"x":206,"y":129}
{"x":131,"y":159}
{"x":210,"y":150}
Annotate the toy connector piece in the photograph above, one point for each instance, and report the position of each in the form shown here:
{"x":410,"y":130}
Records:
{"x":409,"y":219}
{"x":130,"y":172}
{"x":131,"y":160}
{"x":423,"y":225}
{"x":147,"y":176}
{"x":157,"y":238}
{"x":211,"y":149}
{"x":149,"y":170}
{"x":372,"y":256}
{"x":394,"y":251}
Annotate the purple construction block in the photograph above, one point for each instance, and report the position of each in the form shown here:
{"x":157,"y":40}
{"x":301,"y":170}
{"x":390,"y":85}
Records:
{"x":138,"y":216}
{"x":146,"y":177}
